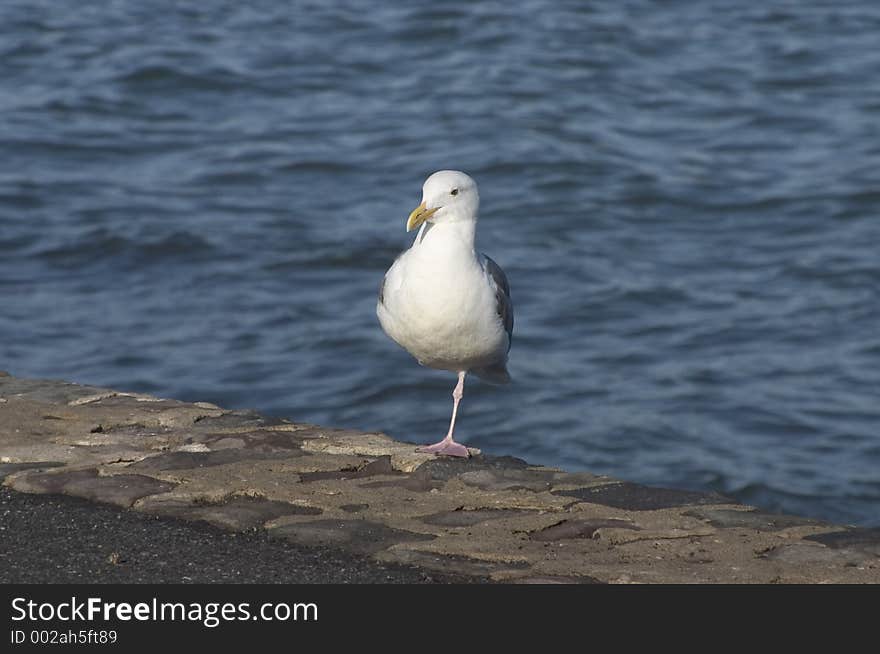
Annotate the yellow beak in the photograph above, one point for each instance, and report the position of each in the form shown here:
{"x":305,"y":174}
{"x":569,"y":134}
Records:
{"x":419,"y":215}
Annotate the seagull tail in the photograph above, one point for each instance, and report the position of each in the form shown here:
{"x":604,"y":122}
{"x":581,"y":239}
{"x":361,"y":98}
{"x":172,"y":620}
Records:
{"x":496,"y":374}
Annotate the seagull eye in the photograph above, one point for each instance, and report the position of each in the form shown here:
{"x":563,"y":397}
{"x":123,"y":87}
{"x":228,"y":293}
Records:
{"x":454,"y":191}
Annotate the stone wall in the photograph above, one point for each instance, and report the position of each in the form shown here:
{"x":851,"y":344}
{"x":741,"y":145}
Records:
{"x":366,"y":493}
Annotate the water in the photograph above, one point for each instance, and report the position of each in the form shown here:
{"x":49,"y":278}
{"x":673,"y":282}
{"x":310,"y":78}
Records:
{"x":200,"y":203}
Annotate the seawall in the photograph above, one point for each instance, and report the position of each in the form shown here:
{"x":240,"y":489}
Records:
{"x":497,"y":517}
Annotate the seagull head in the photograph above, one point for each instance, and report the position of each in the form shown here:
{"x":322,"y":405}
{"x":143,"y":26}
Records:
{"x":447,"y":196}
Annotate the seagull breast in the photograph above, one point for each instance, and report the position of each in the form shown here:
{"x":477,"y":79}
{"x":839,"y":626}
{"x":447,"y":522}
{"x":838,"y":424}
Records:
{"x":443,"y":302}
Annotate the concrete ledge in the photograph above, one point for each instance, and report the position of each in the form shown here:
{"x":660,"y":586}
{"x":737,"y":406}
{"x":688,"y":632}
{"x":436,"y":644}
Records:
{"x":366,"y":493}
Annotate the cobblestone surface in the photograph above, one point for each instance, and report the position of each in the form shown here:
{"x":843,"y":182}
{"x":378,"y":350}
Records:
{"x":366,"y":493}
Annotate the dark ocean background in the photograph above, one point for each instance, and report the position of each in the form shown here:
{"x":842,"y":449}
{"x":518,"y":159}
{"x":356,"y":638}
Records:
{"x":198,"y":200}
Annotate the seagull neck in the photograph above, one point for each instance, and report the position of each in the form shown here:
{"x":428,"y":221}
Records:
{"x":440,"y":236}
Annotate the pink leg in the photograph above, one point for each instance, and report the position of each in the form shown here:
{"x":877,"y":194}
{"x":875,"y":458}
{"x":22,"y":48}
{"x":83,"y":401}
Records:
{"x":448,"y":446}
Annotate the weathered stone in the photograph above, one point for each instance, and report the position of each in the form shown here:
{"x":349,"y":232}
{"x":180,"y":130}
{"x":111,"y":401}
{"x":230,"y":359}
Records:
{"x":463,"y":518}
{"x":48,"y":391}
{"x":578,"y":529}
{"x":185,"y":460}
{"x":561,"y":479}
{"x":759,"y":520}
{"x":804,"y":553}
{"x":11,"y":468}
{"x":236,"y":513}
{"x":235,"y":420}
{"x":359,"y":535}
{"x":151,"y":411}
{"x":451,"y":562}
{"x":419,"y":481}
{"x":380,"y":466}
{"x":354,"y":508}
{"x":635,"y":497}
{"x":404,"y":457}
{"x":487,"y":517}
{"x":122,"y":490}
{"x":866,"y":541}
{"x":445,"y":468}
{"x":267,"y":441}
{"x":508,"y":479}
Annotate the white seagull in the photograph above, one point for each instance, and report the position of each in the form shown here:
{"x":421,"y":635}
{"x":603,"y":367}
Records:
{"x":442,"y":301}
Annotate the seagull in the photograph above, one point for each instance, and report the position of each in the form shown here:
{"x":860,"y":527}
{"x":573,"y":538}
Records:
{"x":442,"y":301}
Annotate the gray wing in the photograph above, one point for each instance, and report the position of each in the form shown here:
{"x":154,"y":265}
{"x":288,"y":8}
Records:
{"x":503,"y":303}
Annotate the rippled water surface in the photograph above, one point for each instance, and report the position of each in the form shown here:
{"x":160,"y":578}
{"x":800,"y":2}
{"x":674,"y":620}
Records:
{"x":200,"y":203}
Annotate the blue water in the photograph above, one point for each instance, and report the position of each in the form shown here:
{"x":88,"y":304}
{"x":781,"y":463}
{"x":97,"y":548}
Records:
{"x":200,"y":203}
